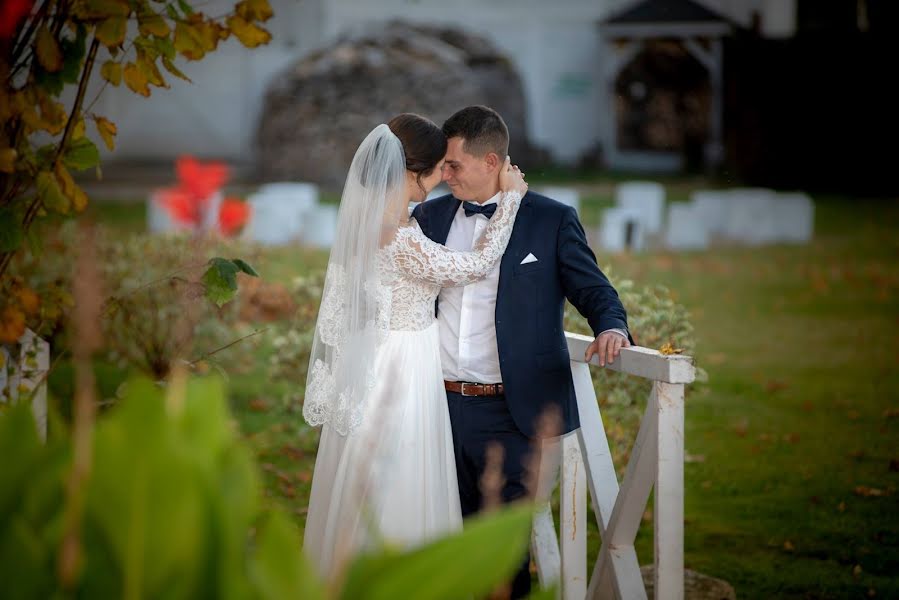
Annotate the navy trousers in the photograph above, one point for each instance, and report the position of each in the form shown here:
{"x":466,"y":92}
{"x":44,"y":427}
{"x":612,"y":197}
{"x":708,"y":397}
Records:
{"x":478,"y":422}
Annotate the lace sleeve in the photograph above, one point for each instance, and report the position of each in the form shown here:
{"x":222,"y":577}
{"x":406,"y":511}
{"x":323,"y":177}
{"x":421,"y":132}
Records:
{"x":422,"y":258}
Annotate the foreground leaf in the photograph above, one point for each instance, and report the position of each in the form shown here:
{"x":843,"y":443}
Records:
{"x":111,"y":71}
{"x":468,"y":564}
{"x":136,"y":80}
{"x":107,"y":130}
{"x":51,"y":195}
{"x":249,"y":34}
{"x":49,"y":55}
{"x":81,"y":154}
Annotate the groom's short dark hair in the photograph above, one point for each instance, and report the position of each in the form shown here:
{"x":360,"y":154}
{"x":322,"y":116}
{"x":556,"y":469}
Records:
{"x":482,"y":129}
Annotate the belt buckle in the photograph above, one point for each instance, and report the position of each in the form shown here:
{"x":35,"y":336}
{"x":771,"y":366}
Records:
{"x":462,"y":391}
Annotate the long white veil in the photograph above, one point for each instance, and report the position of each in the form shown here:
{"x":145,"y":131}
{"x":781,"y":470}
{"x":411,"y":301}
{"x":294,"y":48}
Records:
{"x":354,"y":315}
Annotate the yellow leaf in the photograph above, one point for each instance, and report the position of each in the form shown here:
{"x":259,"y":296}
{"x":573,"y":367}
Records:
{"x":12,"y":325}
{"x":254,"y":10}
{"x":148,"y":67}
{"x":112,"y":72}
{"x":51,"y":195}
{"x":171,"y":68}
{"x":111,"y":32}
{"x":668,"y":348}
{"x":136,"y":80}
{"x":78,"y":130}
{"x":79,"y":199}
{"x":153,"y":24}
{"x":107,"y":130}
{"x":53,"y":114}
{"x":188,"y":42}
{"x":66,"y":183}
{"x":249,"y":35}
{"x":47,"y":48}
{"x":8,"y":160}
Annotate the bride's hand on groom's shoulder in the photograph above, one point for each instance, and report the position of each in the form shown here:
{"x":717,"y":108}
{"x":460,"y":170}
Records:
{"x":606,"y":347}
{"x":511,"y":178}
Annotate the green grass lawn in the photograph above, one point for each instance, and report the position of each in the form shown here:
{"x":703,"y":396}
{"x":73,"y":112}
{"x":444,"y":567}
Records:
{"x":792,"y":492}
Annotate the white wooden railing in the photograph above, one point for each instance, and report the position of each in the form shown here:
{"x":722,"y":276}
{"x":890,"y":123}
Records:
{"x":657,"y":458}
{"x":23,"y":370}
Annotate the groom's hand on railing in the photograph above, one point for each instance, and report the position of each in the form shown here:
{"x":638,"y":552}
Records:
{"x":606,"y":347}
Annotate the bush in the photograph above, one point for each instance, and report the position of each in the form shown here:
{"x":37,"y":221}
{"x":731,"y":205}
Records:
{"x":655,"y":319}
{"x":170,"y":508}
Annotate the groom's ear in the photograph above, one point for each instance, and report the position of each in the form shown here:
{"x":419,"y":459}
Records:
{"x":493,"y":161}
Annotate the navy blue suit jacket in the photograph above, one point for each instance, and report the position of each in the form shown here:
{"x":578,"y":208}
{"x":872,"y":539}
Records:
{"x":530,"y":301}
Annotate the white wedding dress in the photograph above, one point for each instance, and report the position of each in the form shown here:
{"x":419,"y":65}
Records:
{"x":392,"y":478}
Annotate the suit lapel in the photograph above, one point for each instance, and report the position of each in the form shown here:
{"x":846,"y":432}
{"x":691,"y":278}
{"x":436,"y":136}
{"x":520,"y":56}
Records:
{"x":516,"y":250}
{"x":444,"y":219}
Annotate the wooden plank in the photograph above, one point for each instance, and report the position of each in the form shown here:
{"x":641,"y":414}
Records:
{"x":545,"y":546}
{"x":668,"y":516}
{"x":573,"y":521}
{"x":638,"y":361}
{"x":638,"y":479}
{"x":631,"y":501}
{"x":602,"y":481}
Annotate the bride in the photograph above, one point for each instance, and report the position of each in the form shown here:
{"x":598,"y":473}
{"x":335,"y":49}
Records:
{"x":385,"y":470}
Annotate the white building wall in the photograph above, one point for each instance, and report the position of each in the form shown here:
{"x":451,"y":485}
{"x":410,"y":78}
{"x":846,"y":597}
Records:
{"x":555,"y":46}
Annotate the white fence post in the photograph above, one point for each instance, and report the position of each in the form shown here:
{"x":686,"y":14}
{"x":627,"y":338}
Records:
{"x":668,"y":513}
{"x":656,"y":459}
{"x":25,"y":374}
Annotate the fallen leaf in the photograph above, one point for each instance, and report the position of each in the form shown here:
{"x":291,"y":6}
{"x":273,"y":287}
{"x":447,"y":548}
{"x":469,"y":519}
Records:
{"x":668,"y":349}
{"x":868,"y":492}
{"x":647,"y":515}
{"x":788,"y":546}
{"x":694,"y":458}
{"x":258,"y":405}
{"x":775,"y":385}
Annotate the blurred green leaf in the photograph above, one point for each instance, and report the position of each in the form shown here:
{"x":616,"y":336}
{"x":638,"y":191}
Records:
{"x":220,"y":280}
{"x":279,"y":569}
{"x":243,"y":266}
{"x":471,"y":563}
{"x":11,"y":231}
{"x":81,"y":154}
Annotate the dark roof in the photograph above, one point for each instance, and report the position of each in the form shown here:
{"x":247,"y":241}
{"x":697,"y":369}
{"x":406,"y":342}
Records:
{"x":666,"y":11}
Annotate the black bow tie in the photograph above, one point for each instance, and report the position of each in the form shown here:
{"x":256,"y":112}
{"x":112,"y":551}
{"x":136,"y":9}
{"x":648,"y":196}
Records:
{"x":479,"y":209}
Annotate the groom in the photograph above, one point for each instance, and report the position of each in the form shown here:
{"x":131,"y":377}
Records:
{"x":503,"y":350}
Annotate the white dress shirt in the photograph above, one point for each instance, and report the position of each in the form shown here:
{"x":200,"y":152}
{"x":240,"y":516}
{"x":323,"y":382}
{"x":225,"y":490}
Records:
{"x":468,"y":348}
{"x":466,"y":314}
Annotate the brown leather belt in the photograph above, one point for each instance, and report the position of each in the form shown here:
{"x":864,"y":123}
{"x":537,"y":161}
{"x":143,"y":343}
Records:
{"x":474,"y":389}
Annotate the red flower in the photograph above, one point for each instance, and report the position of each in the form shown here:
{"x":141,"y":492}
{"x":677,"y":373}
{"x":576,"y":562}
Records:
{"x":233,"y":215}
{"x":189,"y":201}
{"x":11,"y":12}
{"x":201,"y":180}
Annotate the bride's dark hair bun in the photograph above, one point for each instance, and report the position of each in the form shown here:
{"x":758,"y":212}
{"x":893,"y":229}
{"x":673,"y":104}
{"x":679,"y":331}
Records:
{"x":423,"y":143}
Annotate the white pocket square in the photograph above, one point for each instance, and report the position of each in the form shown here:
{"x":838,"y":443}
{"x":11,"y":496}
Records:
{"x":529,"y":259}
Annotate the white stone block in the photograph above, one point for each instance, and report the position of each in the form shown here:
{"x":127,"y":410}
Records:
{"x":567,"y":196}
{"x":320,"y":226}
{"x":752,"y":216}
{"x":712,"y":208}
{"x":622,"y":229}
{"x":647,"y":198}
{"x":685,"y":229}
{"x":795,"y":217}
{"x":158,"y":218}
{"x":278,"y":212}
